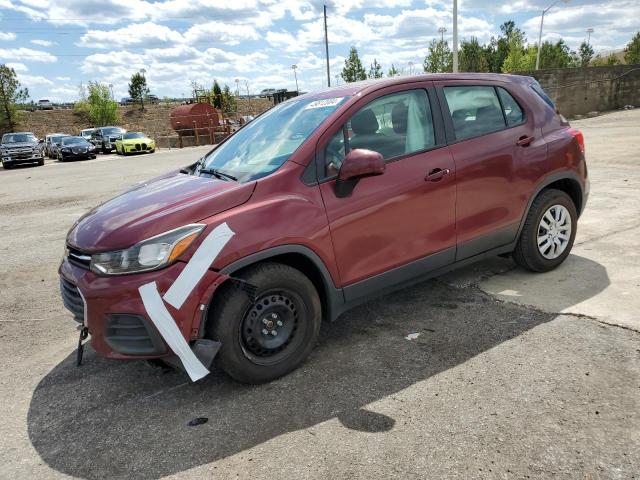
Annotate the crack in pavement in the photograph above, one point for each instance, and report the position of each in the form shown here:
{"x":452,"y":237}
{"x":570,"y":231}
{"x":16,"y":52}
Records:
{"x":605,"y":235}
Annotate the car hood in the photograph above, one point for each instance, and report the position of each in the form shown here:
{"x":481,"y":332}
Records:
{"x":136,"y":140}
{"x":9,"y":146}
{"x":154,"y":207}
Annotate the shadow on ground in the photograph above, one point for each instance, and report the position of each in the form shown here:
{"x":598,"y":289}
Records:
{"x":128,"y":420}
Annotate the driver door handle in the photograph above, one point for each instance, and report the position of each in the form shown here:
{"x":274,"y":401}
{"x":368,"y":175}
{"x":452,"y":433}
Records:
{"x":524,"y":141}
{"x":437,"y":174}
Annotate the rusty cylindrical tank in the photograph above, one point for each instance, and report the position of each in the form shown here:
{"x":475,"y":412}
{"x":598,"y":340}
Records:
{"x":187,"y":119}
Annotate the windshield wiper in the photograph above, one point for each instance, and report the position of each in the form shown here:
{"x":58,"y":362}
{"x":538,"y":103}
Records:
{"x":218,"y":174}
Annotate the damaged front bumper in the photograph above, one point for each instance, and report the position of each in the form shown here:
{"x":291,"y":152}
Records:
{"x":128,"y":320}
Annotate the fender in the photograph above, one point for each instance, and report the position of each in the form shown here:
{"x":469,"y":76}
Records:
{"x":334,"y":296}
{"x":544,"y":183}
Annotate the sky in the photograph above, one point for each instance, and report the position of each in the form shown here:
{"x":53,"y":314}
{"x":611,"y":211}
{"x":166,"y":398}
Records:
{"x":56,"y":45}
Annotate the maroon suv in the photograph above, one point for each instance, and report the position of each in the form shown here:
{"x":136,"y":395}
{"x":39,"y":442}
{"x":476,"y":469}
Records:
{"x":321,"y":203}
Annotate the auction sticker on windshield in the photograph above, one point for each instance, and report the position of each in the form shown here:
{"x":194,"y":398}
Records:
{"x":326,"y":102}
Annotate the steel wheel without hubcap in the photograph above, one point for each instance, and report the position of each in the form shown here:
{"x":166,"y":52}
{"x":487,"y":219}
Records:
{"x":554,"y":232}
{"x":271,"y":329}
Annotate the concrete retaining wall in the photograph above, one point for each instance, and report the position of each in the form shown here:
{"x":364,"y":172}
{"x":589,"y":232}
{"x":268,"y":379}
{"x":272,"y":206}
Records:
{"x":581,"y":90}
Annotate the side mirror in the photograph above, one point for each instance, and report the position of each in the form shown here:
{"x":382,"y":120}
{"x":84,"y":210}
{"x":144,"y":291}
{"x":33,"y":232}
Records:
{"x":358,"y":163}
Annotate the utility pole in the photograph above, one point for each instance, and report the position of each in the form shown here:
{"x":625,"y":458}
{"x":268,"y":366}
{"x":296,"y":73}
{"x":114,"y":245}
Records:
{"x":455,"y":36}
{"x":111,"y":88}
{"x":410,"y":68}
{"x":589,"y":32}
{"x":294,"y":67}
{"x":442,"y":31}
{"x":544,"y":12}
{"x":337,"y":77}
{"x":326,"y":45}
{"x":237,"y":87}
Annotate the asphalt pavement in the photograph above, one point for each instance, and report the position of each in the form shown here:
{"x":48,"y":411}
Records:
{"x":488,"y":372}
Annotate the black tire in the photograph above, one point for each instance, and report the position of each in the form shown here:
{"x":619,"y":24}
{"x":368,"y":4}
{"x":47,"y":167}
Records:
{"x":248,"y":354}
{"x":7,"y":166}
{"x":104,"y":149}
{"x":527,"y":254}
{"x":41,"y":162}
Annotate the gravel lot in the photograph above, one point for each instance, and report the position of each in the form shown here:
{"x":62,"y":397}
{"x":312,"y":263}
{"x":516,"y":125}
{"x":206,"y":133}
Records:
{"x":513,"y":375}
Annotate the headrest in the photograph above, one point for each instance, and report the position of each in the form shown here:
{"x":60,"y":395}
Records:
{"x":488,"y":113}
{"x":399,"y":117}
{"x":364,"y":123}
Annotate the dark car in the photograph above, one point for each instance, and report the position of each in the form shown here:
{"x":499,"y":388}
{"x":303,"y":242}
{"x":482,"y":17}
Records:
{"x":75,"y":148}
{"x":52,"y":143}
{"x":321,"y":203}
{"x":105,"y":138}
{"x":20,"y":147}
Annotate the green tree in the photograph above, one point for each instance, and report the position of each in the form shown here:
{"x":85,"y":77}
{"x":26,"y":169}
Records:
{"x":353,"y":69}
{"x":393,"y":71}
{"x":585,"y":53}
{"x":605,"y":61}
{"x":216,"y":93}
{"x":472,"y":56}
{"x":632,"y":50}
{"x":229,"y":100}
{"x":375,"y":70}
{"x":555,"y":55}
{"x":497,"y":50}
{"x":439,"y":59}
{"x":519,"y":58}
{"x":10,"y":95}
{"x":95,"y":101}
{"x":138,"y":89}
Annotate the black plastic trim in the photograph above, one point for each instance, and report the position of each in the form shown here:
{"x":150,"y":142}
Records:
{"x":131,"y":338}
{"x":397,"y":277}
{"x":495,"y":239}
{"x":335,"y":296}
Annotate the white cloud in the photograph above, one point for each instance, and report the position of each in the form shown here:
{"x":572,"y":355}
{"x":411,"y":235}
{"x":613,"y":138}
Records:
{"x":34,"y":80}
{"x":7,"y":36}
{"x":42,"y":43}
{"x":26,"y":54}
{"x":18,"y":67}
{"x":147,"y":33}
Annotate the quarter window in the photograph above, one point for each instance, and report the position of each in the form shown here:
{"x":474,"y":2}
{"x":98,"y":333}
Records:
{"x":512,"y":111}
{"x":394,"y":125}
{"x":475,"y":110}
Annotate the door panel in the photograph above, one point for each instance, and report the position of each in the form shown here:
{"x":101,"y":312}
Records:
{"x":401,"y":215}
{"x":494,"y":174}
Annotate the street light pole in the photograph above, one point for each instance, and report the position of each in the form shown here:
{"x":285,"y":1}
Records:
{"x":544,"y":12}
{"x":589,"y":32}
{"x":326,"y":45}
{"x":455,"y":36}
{"x":294,"y":67}
{"x":442,"y":31}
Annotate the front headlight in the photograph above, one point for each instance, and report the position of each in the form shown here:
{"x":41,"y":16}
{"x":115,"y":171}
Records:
{"x":150,"y":254}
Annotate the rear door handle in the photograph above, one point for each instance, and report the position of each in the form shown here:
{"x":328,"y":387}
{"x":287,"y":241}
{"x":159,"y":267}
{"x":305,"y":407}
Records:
{"x":436,"y":174}
{"x":524,"y":141}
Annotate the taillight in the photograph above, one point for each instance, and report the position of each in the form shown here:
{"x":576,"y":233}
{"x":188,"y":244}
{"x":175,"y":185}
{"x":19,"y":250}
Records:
{"x":578,"y":136}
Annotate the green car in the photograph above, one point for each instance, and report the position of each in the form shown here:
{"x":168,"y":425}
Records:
{"x":134,"y":142}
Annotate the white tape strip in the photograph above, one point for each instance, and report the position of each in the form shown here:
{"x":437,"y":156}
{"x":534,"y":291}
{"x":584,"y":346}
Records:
{"x":169,"y":330}
{"x":198,"y":265}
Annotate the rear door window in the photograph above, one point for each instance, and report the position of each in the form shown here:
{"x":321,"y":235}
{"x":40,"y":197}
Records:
{"x":475,"y":110}
{"x":394,"y":125}
{"x":512,"y":111}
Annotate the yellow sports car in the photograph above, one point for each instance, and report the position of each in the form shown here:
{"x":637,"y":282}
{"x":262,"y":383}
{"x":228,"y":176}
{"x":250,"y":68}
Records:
{"x":134,"y":142}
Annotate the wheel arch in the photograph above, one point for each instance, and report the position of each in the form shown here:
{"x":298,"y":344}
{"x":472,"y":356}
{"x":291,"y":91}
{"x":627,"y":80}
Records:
{"x":303,"y":259}
{"x":568,"y":182}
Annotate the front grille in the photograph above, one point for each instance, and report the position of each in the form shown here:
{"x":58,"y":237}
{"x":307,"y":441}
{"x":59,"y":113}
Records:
{"x":137,"y":146}
{"x":72,"y":300}
{"x":21,"y":153}
{"x":132,"y":335}
{"x":144,"y":146}
{"x":79,"y":259}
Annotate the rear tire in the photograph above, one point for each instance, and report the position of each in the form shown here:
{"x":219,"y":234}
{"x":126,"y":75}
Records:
{"x":7,"y":166}
{"x":41,"y":162}
{"x":286,"y":303}
{"x":548,"y":233}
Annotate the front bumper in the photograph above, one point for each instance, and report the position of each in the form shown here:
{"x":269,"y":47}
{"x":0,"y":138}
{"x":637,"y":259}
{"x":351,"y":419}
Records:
{"x":15,"y":160}
{"x":138,"y":147}
{"x":115,"y":314}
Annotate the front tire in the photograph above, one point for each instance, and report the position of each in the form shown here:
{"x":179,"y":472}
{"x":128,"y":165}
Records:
{"x":266,"y":338}
{"x":548,"y":233}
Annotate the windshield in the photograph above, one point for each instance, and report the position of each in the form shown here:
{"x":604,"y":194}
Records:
{"x":263,"y":145}
{"x":19,"y":138}
{"x":112,"y":130}
{"x":133,"y":135}
{"x":58,"y":138}
{"x":73,"y":140}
